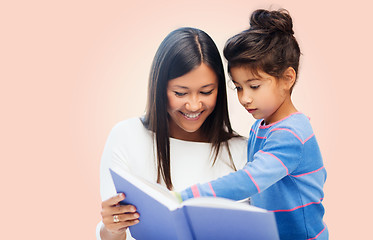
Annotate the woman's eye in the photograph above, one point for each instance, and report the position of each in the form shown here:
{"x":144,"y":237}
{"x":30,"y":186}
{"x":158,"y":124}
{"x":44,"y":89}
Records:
{"x":237,"y":88}
{"x":254,"y":86}
{"x":207,"y":93}
{"x":179,"y":94}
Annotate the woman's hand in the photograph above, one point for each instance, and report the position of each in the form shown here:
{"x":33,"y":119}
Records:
{"x":117,"y":218}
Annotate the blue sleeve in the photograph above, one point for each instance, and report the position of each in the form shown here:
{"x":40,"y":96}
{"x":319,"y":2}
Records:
{"x":280,"y":155}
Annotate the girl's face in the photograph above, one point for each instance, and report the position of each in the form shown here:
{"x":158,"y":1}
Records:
{"x":262,"y":95}
{"x":191,"y":99}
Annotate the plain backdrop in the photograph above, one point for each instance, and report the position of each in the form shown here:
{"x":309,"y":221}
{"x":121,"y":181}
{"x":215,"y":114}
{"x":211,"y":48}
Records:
{"x":70,"y":70}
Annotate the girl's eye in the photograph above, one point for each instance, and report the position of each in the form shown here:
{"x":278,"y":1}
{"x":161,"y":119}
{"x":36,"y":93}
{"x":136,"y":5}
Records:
{"x":254,"y":86}
{"x":179,"y":94}
{"x":207,"y":93}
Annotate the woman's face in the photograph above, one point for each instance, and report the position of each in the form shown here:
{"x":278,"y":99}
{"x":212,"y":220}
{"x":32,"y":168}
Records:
{"x":191,"y":99}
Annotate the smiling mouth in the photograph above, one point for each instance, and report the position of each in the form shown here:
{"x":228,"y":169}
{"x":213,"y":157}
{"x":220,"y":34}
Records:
{"x":192,"y":116}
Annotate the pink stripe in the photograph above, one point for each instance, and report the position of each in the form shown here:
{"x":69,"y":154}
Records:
{"x":253,"y":130}
{"x":195,"y":191}
{"x":270,"y":125}
{"x":308,"y":138}
{"x":252,"y":179}
{"x":317,"y":234}
{"x":289,"y":210}
{"x":212,"y":190}
{"x":261,"y":137}
{"x":270,"y":154}
{"x":307,"y":173}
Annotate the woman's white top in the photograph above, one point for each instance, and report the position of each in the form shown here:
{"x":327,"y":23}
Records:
{"x":130,"y":147}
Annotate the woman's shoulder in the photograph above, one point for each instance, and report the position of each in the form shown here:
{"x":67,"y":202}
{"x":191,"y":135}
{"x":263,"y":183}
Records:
{"x":129,"y":130}
{"x":129,"y":124}
{"x":238,"y":141}
{"x":238,"y":145}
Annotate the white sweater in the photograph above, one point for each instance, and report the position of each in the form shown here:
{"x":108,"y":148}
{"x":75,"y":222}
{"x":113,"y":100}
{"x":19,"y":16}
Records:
{"x":130,"y":147}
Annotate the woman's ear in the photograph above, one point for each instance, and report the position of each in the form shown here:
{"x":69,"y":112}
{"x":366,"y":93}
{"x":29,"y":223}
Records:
{"x":289,"y":76}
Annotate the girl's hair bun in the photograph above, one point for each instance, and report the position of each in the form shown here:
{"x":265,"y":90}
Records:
{"x":272,"y":21}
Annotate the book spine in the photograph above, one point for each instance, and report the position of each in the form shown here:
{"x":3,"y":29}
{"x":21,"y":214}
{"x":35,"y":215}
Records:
{"x":183,"y":228}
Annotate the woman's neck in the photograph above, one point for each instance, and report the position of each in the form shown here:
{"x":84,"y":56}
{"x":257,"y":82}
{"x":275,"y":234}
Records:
{"x":179,"y":133}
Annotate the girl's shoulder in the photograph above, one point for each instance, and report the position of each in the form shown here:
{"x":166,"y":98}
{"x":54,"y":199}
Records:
{"x":297,"y":124}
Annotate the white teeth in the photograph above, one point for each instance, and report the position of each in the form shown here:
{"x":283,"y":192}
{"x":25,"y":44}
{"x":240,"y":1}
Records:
{"x":192,"y":115}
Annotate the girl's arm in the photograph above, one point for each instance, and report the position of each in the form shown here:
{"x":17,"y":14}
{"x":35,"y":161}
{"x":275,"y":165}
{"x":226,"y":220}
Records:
{"x":279,"y":156}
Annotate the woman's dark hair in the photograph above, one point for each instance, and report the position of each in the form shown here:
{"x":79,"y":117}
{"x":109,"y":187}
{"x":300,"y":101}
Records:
{"x":268,"y":45}
{"x":180,"y":52}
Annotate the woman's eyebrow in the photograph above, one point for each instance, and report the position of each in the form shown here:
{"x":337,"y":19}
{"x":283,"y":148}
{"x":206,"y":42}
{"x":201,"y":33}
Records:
{"x":208,"y":85}
{"x":204,"y":86}
{"x":178,"y":86}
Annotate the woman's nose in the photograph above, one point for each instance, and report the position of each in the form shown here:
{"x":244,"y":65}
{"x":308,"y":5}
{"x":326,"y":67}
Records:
{"x":193,"y":104}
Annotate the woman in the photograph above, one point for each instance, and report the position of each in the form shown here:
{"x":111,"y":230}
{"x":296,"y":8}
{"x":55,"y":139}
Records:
{"x":185,"y":136}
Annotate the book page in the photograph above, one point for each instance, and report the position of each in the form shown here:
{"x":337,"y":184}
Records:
{"x":216,"y":202}
{"x":156,"y":191}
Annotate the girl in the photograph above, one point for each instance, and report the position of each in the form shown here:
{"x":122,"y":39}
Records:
{"x":285,"y":172}
{"x":185,"y":136}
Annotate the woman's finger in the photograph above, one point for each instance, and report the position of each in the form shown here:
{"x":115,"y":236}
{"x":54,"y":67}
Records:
{"x":117,"y":218}
{"x":122,"y":209}
{"x":113,"y":200}
{"x":127,"y":217}
{"x":123,"y":221}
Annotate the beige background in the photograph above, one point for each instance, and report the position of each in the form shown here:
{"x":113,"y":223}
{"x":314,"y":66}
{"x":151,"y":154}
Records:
{"x":70,"y":70}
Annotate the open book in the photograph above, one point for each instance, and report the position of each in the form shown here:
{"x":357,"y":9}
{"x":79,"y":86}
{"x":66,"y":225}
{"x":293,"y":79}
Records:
{"x":163,"y":217}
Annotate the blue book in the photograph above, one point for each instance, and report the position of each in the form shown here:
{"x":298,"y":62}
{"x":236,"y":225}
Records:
{"x":163,"y":217}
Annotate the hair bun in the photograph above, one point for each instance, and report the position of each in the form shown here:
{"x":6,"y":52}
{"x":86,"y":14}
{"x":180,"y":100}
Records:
{"x":272,"y":21}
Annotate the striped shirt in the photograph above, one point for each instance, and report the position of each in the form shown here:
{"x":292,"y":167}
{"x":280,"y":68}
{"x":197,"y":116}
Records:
{"x":284,"y":174}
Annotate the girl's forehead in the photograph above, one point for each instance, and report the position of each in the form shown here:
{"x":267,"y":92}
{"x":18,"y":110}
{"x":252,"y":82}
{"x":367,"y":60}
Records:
{"x":245,"y":74}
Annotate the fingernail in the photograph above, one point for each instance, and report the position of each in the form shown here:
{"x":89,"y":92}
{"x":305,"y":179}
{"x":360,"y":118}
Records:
{"x":133,"y":209}
{"x":136,"y":215}
{"x":121,"y":195}
{"x":136,"y":221}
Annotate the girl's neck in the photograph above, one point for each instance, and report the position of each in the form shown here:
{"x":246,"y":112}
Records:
{"x":285,"y":109}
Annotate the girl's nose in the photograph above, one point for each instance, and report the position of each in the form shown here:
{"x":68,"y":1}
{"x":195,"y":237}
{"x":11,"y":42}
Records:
{"x":245,"y":99}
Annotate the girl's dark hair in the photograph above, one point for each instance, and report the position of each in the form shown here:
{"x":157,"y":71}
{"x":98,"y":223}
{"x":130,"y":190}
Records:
{"x":179,"y":53}
{"x":268,"y":45}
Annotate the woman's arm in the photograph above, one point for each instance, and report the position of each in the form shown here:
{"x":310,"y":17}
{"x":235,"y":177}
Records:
{"x":115,"y":218}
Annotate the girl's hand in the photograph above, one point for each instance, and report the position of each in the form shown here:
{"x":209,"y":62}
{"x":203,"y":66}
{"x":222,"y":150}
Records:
{"x":117,"y":218}
{"x":178,"y":196}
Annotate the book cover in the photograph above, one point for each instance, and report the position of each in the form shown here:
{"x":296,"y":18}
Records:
{"x":163,"y":217}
